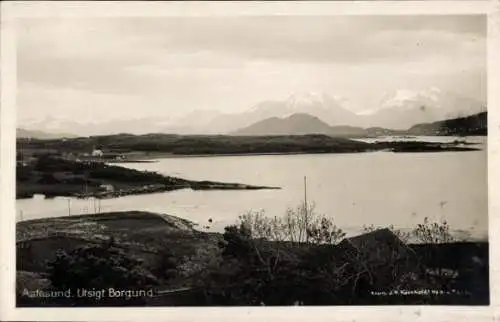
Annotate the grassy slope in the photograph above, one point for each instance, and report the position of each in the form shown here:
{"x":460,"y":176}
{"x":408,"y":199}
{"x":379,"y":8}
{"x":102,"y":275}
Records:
{"x":142,"y":234}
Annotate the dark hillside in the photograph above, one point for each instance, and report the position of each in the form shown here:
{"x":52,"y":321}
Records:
{"x":471,"y":125}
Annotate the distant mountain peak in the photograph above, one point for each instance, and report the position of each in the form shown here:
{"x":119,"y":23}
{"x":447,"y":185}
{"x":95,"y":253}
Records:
{"x":405,"y":107}
{"x":406,"y":98}
{"x":23,"y":133}
{"x":301,"y":116}
{"x":306,"y":98}
{"x":297,"y":123}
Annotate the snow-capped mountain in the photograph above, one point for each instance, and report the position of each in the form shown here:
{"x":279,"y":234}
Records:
{"x":311,"y":99}
{"x":48,"y":123}
{"x":51,"y":124}
{"x":22,"y":133}
{"x":403,"y":108}
{"x":400,"y":109}
{"x":320,"y":105}
{"x":58,"y":125}
{"x":195,"y":122}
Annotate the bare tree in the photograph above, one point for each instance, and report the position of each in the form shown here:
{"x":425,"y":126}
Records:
{"x":433,"y":233}
{"x":299,"y":225}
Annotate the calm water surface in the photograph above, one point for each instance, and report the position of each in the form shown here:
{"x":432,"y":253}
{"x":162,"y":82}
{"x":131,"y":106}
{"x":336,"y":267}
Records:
{"x":357,"y":189}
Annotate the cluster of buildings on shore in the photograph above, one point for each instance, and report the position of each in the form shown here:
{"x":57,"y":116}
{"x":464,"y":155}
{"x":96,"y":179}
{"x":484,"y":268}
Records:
{"x":97,"y":155}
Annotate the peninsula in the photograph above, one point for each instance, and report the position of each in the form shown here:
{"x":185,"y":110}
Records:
{"x":55,"y":176}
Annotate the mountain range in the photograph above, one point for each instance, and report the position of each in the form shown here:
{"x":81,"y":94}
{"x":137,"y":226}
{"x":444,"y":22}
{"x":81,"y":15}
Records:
{"x":297,"y":124}
{"x":405,"y":108}
{"x":398,"y":110}
{"x":22,"y":133}
{"x":300,"y":124}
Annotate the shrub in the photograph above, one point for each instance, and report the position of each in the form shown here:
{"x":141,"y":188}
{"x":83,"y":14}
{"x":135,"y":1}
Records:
{"x":237,"y":241}
{"x":204,"y":259}
{"x":96,"y":268}
{"x":263,"y":261}
{"x":300,"y":225}
{"x":433,"y":233}
{"x":166,"y":266}
{"x":323,"y":231}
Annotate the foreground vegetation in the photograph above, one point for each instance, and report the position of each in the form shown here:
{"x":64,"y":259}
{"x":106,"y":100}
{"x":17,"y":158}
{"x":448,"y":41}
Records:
{"x":299,"y":258}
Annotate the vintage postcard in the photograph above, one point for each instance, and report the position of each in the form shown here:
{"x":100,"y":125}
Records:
{"x":249,"y":156}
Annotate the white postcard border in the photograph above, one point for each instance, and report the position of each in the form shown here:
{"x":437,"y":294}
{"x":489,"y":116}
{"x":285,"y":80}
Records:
{"x":13,"y":10}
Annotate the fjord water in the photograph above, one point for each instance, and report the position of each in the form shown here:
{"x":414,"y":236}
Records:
{"x":357,"y":189}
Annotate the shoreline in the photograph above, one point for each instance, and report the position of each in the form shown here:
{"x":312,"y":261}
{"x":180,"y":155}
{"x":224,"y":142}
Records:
{"x":432,"y":147}
{"x":58,"y":177}
{"x":193,"y":185}
{"x":208,"y":155}
{"x":187,"y":223}
{"x":62,"y":177}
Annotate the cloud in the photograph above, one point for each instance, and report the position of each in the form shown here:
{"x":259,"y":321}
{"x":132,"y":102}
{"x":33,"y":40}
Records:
{"x":232,"y":61}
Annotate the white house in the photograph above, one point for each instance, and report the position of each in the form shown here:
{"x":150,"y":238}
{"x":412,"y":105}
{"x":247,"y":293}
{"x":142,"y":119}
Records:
{"x":107,"y":187}
{"x":97,"y":153}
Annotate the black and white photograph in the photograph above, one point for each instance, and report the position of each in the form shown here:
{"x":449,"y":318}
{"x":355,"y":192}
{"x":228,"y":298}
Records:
{"x":263,"y":160}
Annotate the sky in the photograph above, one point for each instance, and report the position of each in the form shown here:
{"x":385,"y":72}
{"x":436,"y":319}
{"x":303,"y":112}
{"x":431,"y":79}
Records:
{"x":106,"y":68}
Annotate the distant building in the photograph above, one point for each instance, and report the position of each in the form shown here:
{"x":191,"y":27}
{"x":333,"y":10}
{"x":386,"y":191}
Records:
{"x":107,"y":187}
{"x":97,"y":153}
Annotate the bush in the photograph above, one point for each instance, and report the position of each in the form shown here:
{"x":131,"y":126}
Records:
{"x":433,"y":233}
{"x":204,"y":259}
{"x":300,"y":225}
{"x":237,"y":241}
{"x":294,"y":259}
{"x":96,"y":268}
{"x":323,"y":231}
{"x":166,"y":266}
{"x":264,"y":261}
